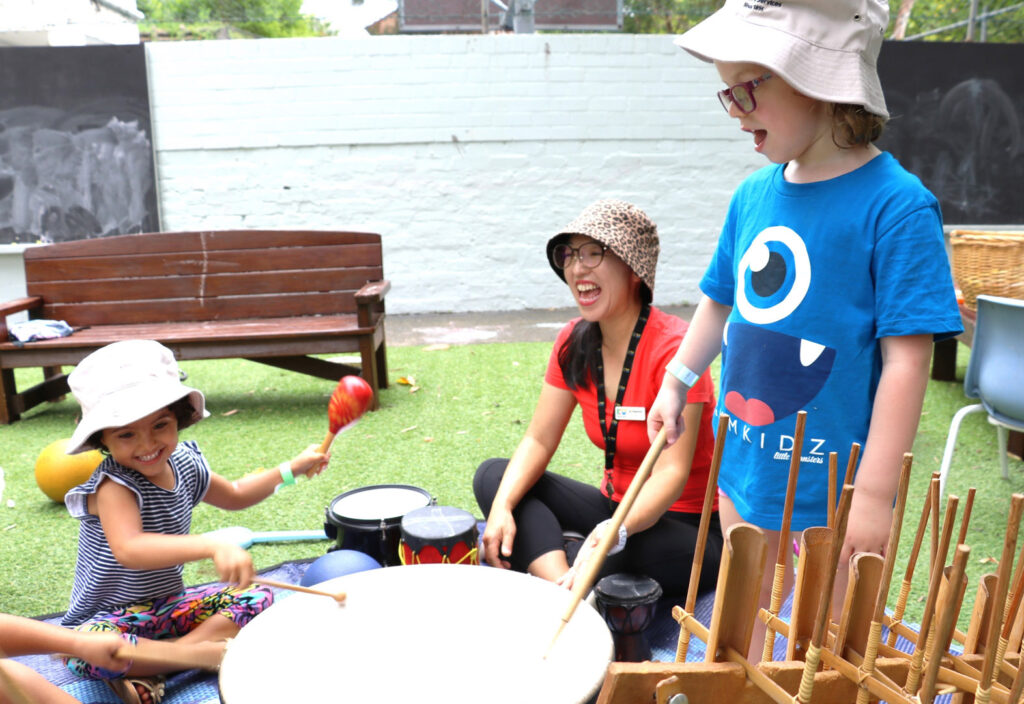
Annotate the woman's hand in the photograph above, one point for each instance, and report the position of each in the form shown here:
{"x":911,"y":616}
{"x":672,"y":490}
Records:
{"x":234,"y":564}
{"x":587,"y":550}
{"x":499,"y":536}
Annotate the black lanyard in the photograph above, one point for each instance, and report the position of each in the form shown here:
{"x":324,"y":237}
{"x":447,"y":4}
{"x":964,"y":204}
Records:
{"x":609,"y":432}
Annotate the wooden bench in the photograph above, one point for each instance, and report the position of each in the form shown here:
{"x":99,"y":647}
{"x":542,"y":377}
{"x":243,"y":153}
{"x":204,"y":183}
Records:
{"x":274,"y":297}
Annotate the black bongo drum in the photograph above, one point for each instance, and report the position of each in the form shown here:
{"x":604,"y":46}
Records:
{"x":628,"y":603}
{"x":369,"y":519}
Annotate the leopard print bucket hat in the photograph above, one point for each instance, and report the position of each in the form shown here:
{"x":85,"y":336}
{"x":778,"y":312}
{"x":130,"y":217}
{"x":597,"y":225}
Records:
{"x":624,"y":228}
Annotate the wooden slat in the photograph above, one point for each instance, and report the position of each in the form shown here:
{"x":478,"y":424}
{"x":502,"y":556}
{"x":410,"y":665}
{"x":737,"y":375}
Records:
{"x":199,"y":262}
{"x":348,"y":279}
{"x":210,"y":309}
{"x":167,"y":242}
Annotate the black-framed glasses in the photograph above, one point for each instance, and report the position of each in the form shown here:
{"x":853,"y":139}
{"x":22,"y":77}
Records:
{"x":742,"y":95}
{"x":589,"y":254}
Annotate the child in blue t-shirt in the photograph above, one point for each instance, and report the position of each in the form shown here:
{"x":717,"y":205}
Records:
{"x":830,"y":280}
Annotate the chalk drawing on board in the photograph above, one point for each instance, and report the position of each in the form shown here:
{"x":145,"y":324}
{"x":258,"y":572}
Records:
{"x":74,"y":164}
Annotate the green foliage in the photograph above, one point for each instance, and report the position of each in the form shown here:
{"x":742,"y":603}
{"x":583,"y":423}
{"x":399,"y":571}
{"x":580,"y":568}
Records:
{"x":676,"y":16}
{"x":209,"y":19}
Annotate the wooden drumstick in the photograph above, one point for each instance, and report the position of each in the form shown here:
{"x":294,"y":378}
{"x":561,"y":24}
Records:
{"x":337,"y":596}
{"x":702,"y":533}
{"x":594,"y":563}
{"x":787,"y":515}
{"x":875,"y":633}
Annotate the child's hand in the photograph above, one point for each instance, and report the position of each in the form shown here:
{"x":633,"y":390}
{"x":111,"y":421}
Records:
{"x":310,"y":462}
{"x":100,"y":649}
{"x":234,"y":565}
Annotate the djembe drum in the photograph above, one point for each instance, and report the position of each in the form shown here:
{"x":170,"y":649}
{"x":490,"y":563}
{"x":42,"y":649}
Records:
{"x":628,"y":603}
{"x":458,"y":634}
{"x":438,"y":534}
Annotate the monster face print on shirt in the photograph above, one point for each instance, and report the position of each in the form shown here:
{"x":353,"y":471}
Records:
{"x":772,"y":281}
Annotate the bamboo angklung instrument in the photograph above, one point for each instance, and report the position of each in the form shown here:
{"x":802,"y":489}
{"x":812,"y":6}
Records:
{"x":908,"y":576}
{"x":784,"y":547}
{"x":875,"y":634}
{"x":710,"y":491}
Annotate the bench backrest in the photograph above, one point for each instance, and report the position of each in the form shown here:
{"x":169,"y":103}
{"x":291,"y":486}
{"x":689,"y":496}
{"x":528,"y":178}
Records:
{"x":199,"y":276}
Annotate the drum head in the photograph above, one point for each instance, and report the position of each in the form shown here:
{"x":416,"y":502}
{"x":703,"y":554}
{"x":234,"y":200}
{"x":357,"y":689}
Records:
{"x":370,"y":505}
{"x":437,"y":522}
{"x":432,"y":633}
{"x":627,"y":589}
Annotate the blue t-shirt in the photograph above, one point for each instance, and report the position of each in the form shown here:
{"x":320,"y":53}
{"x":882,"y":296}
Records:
{"x":816,"y":275}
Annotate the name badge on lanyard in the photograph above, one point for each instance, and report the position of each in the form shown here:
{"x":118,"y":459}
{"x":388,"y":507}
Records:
{"x":630,"y":413}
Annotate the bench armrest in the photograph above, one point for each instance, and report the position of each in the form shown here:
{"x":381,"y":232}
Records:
{"x":16,"y":306}
{"x":370,"y":299}
{"x":373,"y":292}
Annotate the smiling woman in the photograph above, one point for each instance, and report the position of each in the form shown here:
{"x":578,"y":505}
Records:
{"x":609,"y":362}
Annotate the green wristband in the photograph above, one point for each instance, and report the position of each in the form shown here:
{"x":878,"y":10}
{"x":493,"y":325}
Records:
{"x":682,"y":372}
{"x":287,"y":478}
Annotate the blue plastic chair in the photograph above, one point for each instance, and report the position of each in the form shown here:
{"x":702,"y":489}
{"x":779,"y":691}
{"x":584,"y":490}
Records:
{"x":995,"y":375}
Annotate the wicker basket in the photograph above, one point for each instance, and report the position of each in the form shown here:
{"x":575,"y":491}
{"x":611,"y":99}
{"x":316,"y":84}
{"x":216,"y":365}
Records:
{"x":990,"y":262}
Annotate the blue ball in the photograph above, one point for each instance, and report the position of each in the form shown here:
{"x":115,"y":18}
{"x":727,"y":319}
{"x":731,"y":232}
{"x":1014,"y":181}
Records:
{"x":336,"y":564}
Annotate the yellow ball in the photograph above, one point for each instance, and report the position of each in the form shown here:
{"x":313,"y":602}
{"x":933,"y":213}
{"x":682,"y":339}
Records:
{"x":57,"y":472}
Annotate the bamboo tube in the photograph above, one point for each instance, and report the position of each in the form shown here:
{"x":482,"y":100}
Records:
{"x":821,"y":626}
{"x":683,"y":645}
{"x":908,"y":575}
{"x":1002,"y":585}
{"x":787,"y":515}
{"x":833,"y":470}
{"x":944,"y":627}
{"x":875,"y":634}
{"x":914,"y":674}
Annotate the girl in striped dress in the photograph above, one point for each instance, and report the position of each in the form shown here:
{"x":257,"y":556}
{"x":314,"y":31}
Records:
{"x":135,"y":514}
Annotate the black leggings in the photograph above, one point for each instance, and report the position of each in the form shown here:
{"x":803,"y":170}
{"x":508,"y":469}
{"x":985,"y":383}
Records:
{"x":556,"y":504}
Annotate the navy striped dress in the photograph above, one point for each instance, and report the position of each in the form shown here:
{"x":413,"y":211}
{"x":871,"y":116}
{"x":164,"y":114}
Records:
{"x":101,"y":582}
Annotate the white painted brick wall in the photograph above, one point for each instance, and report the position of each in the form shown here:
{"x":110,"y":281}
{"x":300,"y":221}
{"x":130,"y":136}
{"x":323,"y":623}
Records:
{"x":465,"y":152}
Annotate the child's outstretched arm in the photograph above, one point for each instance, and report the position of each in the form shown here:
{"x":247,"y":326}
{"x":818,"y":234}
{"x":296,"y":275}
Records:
{"x":894,"y":418}
{"x":137,"y":549}
{"x":700,"y":345}
{"x":254,"y":487}
{"x":26,"y":636}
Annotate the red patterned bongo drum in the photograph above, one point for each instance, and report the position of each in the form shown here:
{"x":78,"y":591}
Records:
{"x":438,"y":534}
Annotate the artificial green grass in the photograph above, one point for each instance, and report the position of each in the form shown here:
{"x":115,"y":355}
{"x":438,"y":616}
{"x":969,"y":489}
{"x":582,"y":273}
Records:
{"x":472,"y":402}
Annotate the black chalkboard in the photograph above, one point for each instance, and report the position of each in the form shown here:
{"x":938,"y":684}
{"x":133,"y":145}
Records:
{"x":957,"y":121}
{"x":76,"y":148}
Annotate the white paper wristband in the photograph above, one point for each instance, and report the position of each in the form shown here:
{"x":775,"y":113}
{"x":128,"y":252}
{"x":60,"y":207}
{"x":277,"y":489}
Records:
{"x":682,"y":372}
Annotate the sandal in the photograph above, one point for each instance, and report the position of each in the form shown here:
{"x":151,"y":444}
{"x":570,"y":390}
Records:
{"x":127,"y":689}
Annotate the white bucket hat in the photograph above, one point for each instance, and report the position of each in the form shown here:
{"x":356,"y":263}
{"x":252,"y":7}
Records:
{"x":118,"y":384}
{"x":826,"y":49}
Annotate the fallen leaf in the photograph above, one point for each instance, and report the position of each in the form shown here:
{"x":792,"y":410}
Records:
{"x":988,"y":561}
{"x":461,"y":432}
{"x":487,"y":413}
{"x":436,"y":347}
{"x":413,"y":389}
{"x":428,"y":439}
{"x":407,"y":381}
{"x":406,"y":430}
{"x":232,"y":412}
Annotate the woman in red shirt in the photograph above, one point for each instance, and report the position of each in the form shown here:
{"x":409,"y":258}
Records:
{"x":610,"y":361}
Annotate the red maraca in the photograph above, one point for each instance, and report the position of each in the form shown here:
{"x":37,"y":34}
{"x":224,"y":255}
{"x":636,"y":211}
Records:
{"x":349,"y":401}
